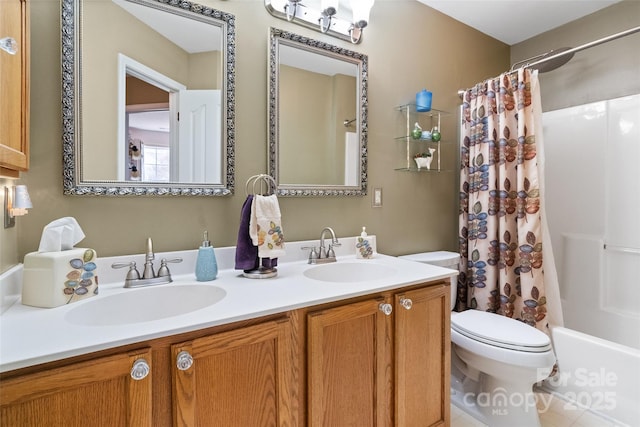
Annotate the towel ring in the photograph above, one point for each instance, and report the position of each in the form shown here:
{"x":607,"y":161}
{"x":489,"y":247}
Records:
{"x":258,"y":180}
{"x":261,"y":179}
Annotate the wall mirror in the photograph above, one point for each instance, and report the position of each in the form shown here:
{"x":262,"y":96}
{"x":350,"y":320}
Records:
{"x":148,"y":98}
{"x":317,"y":117}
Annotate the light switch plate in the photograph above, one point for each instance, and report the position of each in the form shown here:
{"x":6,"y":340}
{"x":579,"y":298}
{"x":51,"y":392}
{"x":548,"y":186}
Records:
{"x":377,"y":198}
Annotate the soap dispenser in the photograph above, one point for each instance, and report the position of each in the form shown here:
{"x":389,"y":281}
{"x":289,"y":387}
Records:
{"x":363,"y":246}
{"x":206,"y":264}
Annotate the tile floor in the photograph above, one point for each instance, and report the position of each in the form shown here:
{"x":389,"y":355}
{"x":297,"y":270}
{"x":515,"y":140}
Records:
{"x":555,"y":413}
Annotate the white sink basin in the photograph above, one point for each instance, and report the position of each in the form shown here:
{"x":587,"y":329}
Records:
{"x":350,"y":272}
{"x":145,"y":305}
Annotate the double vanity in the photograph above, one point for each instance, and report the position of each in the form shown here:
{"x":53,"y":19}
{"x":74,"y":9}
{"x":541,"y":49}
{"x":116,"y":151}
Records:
{"x":355,"y":342}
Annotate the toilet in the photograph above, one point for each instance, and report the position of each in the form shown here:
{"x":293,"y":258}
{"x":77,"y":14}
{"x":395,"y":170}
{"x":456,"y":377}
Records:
{"x":495,"y":360}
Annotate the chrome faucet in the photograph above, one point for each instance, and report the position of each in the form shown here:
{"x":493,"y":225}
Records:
{"x":324,"y":255}
{"x":149,"y":277}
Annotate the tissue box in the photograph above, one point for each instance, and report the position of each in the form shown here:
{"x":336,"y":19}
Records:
{"x":52,"y":279}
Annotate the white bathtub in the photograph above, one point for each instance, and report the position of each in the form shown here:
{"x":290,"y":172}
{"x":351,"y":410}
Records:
{"x":597,"y":374}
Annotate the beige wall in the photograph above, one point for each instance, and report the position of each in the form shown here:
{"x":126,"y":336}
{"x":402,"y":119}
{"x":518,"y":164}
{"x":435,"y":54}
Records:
{"x":304,"y":117}
{"x":410,"y":47}
{"x":344,"y":108}
{"x":607,"y":71}
{"x":311,"y":133}
{"x":9,"y":236}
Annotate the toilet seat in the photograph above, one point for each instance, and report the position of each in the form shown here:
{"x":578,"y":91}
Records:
{"x":500,"y":331}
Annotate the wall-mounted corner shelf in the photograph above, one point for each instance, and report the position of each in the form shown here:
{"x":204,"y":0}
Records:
{"x":427,"y":121}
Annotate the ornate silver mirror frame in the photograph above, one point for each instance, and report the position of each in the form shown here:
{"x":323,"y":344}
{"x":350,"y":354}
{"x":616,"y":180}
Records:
{"x":71,"y":40}
{"x":280,"y":38}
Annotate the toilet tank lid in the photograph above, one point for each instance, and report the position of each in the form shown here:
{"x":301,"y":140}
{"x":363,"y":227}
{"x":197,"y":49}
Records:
{"x":440,"y":258}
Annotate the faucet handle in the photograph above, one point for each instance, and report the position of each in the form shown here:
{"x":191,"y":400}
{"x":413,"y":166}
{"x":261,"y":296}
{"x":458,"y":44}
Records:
{"x":313,"y":255}
{"x":330,"y":252}
{"x":132,"y":274}
{"x":163,"y":271}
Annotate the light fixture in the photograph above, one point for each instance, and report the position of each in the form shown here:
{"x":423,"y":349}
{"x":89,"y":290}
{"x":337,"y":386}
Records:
{"x":329,"y":9}
{"x":291,"y":8}
{"x":16,"y":203}
{"x":323,"y":16}
{"x":361,"y":10}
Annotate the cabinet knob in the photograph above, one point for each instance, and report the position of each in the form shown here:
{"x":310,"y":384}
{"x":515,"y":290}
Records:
{"x":9,"y":45}
{"x":385,"y":308}
{"x":406,"y":303}
{"x":140,"y":369}
{"x":184,"y":360}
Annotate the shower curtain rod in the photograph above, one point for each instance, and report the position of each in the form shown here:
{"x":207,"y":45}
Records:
{"x":570,"y":51}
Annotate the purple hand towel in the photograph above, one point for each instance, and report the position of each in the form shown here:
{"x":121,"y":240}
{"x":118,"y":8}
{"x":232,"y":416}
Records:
{"x":246,"y":251}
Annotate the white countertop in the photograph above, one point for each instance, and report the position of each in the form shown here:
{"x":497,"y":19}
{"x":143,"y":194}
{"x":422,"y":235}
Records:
{"x":30,"y":335}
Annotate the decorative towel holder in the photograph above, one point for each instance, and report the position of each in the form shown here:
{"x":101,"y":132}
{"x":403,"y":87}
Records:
{"x":258,"y":182}
{"x":261,"y":179}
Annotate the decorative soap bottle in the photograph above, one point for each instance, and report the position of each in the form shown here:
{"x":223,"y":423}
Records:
{"x":206,"y":264}
{"x":363,"y":246}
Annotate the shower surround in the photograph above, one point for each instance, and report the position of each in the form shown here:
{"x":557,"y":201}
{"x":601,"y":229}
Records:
{"x":593,"y":203}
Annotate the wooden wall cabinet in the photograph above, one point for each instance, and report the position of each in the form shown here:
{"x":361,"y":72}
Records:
{"x":14,"y":89}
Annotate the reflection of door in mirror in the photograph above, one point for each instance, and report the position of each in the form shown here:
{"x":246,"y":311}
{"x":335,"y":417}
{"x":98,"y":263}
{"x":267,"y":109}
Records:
{"x":199,"y":135}
{"x":158,"y":113}
{"x":147,"y":132}
{"x":148,"y":113}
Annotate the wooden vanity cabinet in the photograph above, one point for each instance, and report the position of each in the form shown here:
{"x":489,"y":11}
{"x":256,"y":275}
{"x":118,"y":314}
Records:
{"x":422,"y":358}
{"x":368,"y":365}
{"x":241,"y":377}
{"x":349,"y":366}
{"x":345,"y":363}
{"x":14,"y":89}
{"x":99,"y":392}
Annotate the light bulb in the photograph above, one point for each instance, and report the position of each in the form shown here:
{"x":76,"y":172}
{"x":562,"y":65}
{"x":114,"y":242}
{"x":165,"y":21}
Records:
{"x":361,"y":10}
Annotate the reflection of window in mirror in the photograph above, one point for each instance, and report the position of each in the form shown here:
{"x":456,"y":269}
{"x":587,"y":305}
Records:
{"x":155,"y":163}
{"x":148,"y":131}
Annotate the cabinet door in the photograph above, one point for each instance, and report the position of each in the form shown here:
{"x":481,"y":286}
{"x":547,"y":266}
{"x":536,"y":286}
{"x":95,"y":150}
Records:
{"x":14,"y":88}
{"x":349,"y":368}
{"x":100,"y":392}
{"x":422,"y":357}
{"x":237,"y":378}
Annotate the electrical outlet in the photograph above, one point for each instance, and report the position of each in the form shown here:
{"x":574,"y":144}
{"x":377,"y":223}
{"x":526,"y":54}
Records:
{"x":377,"y":198}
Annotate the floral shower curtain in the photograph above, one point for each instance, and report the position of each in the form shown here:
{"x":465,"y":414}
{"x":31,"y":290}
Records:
{"x":501,"y":228}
